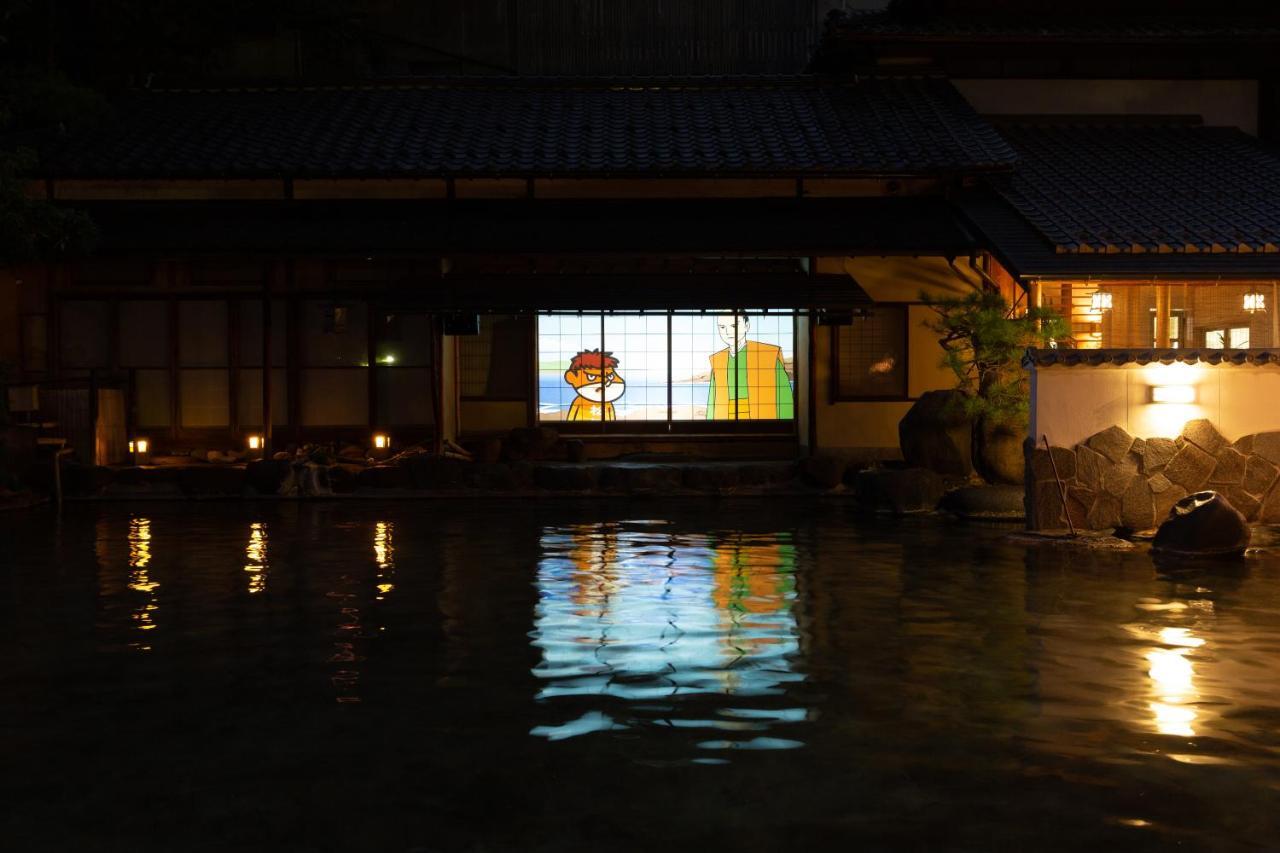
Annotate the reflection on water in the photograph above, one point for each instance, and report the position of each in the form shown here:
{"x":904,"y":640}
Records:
{"x":1173,"y":682}
{"x":637,"y":620}
{"x":255,"y":555}
{"x":140,"y":579}
{"x":948,"y":689}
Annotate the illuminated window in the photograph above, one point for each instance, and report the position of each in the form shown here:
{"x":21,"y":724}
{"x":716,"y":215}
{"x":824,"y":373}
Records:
{"x":666,"y":367}
{"x":1236,"y":338}
{"x":871,"y":355}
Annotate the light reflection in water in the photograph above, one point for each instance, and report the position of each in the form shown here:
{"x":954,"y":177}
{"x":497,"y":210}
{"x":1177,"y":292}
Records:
{"x":255,"y":555}
{"x":649,"y":623}
{"x":139,"y":539}
{"x":1173,"y":682}
{"x":384,"y":554}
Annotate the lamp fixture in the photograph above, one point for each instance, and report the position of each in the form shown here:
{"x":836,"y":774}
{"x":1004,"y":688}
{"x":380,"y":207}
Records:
{"x":1173,"y":394}
{"x":381,"y":441}
{"x":1255,"y":300}
{"x":255,"y":442}
{"x":1101,"y":301}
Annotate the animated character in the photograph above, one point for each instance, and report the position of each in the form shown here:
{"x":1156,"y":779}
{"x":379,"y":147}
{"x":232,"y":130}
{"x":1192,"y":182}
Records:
{"x":594,"y":376}
{"x":748,"y":378}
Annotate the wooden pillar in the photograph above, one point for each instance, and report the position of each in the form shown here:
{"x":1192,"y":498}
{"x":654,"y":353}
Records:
{"x":266,"y":361}
{"x":1162,"y":316}
{"x":1274,"y":311}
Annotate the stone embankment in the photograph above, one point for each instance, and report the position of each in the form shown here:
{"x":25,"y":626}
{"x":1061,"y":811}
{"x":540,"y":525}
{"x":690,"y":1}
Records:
{"x":1115,"y":480}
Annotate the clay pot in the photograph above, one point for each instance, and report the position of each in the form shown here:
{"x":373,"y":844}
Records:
{"x":1203,"y":524}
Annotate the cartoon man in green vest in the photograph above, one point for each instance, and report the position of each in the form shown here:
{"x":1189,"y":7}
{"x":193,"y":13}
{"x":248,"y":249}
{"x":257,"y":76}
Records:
{"x":748,"y":378}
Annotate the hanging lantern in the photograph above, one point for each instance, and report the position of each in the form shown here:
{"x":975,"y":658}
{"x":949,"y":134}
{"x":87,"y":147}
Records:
{"x":1255,"y":300}
{"x":1101,"y":301}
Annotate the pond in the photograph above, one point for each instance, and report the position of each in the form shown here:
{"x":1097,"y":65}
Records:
{"x":577,"y":675}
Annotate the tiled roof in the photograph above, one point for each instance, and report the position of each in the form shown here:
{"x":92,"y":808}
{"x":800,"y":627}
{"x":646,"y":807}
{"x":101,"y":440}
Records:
{"x":1145,"y":189}
{"x":566,"y":127}
{"x":857,"y":25}
{"x":1103,"y":357}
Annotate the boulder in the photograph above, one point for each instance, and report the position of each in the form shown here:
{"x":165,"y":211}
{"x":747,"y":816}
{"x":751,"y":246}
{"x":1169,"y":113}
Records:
{"x":995,"y":502}
{"x":1244,"y":444}
{"x":1090,"y":464}
{"x":1190,"y":467}
{"x":432,"y":472}
{"x":575,"y":450}
{"x":1104,"y":514}
{"x":1079,"y":502}
{"x":642,"y":478}
{"x":1228,"y":468}
{"x":1053,"y":464}
{"x":1203,"y":434}
{"x":1137,"y":506}
{"x":211,"y":480}
{"x":1250,"y":507}
{"x":343,"y":478}
{"x":1045,"y":508}
{"x":1267,"y":445}
{"x":1156,"y":453}
{"x":1269,"y":511}
{"x":1117,"y":478}
{"x":711,"y":476}
{"x":901,"y":491}
{"x":385,"y":477}
{"x":1259,"y":475}
{"x":824,"y":470}
{"x":936,"y":434}
{"x":766,"y":473}
{"x":565,"y":477}
{"x":1203,"y":524}
{"x":534,"y":443}
{"x":1113,"y":443}
{"x":998,"y":456}
{"x":264,"y":476}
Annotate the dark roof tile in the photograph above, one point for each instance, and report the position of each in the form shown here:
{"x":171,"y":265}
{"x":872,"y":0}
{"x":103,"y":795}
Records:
{"x":522,"y":127}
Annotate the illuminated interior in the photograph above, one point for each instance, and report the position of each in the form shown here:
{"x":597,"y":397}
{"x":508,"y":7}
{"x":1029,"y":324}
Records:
{"x":1176,"y":315}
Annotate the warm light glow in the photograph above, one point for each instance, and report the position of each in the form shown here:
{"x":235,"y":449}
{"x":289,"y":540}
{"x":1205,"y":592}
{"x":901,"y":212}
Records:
{"x":131,"y":450}
{"x":255,"y":555}
{"x":1173,"y":394}
{"x":381,"y":441}
{"x":255,"y":442}
{"x":1173,"y":682}
{"x":1255,"y":301}
{"x":384,"y":553}
{"x":1100,"y":301}
{"x":388,"y":359}
{"x":139,"y":539}
{"x":139,"y":445}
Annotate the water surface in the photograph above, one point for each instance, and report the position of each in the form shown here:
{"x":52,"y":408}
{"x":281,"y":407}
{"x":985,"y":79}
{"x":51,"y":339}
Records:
{"x":614,"y":675}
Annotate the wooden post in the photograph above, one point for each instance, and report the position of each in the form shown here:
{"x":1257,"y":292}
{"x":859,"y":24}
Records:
{"x":266,"y":362}
{"x":1162,"y":316}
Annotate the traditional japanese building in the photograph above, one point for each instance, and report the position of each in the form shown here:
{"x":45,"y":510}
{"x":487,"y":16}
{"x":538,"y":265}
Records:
{"x":731,"y":266}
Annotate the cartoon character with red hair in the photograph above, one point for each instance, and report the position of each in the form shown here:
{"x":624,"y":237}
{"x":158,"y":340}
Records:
{"x":593,"y":375}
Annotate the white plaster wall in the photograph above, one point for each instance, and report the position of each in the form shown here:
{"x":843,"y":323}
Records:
{"x":1069,"y":404}
{"x":1225,"y":103}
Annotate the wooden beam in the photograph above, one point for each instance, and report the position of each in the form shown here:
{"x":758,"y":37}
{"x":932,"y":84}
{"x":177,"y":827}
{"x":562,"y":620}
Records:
{"x":664,"y":188}
{"x":166,"y":190}
{"x":360,"y":188}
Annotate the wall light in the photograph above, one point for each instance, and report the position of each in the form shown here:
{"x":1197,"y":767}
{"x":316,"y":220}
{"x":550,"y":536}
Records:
{"x":1100,"y":301}
{"x":381,"y":440}
{"x":1173,"y":393}
{"x":1254,"y":301}
{"x":255,"y":442}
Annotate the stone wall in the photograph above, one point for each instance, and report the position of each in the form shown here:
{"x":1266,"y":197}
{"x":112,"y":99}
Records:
{"x":1115,"y":480}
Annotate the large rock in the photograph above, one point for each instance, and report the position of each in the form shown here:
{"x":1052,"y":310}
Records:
{"x":1057,"y":463}
{"x":643,"y":478}
{"x":1156,"y":453}
{"x":937,"y":435}
{"x":264,"y":476}
{"x":998,"y":502}
{"x":824,"y":470}
{"x":384,"y":477}
{"x":1137,"y":506}
{"x":1204,"y":435}
{"x":565,"y":477}
{"x":999,"y":457}
{"x":1228,"y":467}
{"x":1203,"y":524}
{"x":1117,"y":478}
{"x":1113,"y":443}
{"x":211,"y":480}
{"x":1090,"y":465}
{"x":901,"y":491}
{"x":1190,"y":467}
{"x":1267,"y":445}
{"x":1259,"y":475}
{"x":1045,"y":508}
{"x":1105,"y":513}
{"x":1269,"y":512}
{"x":711,"y":476}
{"x":1250,"y":507}
{"x":533,"y":443}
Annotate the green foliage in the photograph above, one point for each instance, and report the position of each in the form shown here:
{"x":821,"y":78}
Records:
{"x":983,"y":342}
{"x":34,"y":229}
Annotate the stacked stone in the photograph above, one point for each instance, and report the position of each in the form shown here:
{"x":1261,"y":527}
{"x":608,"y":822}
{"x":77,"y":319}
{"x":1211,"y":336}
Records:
{"x":1113,"y":479}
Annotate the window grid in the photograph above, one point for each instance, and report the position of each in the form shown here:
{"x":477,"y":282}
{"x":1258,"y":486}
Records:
{"x":870,"y":356}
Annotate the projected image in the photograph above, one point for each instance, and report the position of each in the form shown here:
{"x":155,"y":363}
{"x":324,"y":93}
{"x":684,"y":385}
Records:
{"x":666,"y":367}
